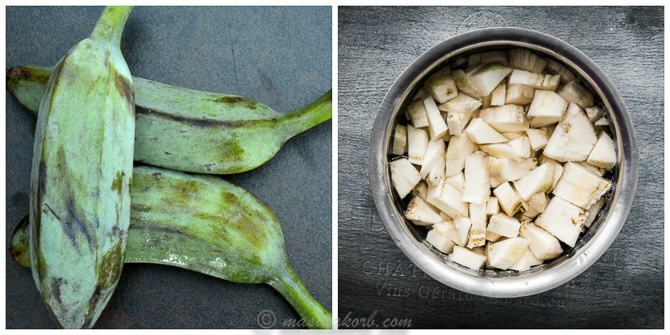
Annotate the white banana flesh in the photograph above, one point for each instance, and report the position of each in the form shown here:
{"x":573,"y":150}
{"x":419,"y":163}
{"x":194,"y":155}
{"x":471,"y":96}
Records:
{"x":417,"y":143}
{"x":547,"y":108}
{"x":538,"y":180}
{"x":519,"y":94}
{"x":465,"y":84}
{"x":404,"y":176}
{"x":459,"y":147}
{"x":433,"y":157}
{"x":441,"y":86}
{"x":477,"y":235}
{"x":504,"y":254}
{"x":535,"y":80}
{"x":521,"y":145}
{"x":555,"y":67}
{"x":509,"y":200}
{"x":498,"y":95}
{"x":538,"y":138}
{"x":526,"y":261}
{"x":477,"y":186}
{"x":502,"y":151}
{"x":436,"y":124}
{"x":603,"y":154}
{"x":492,"y":206}
{"x":525,"y":60}
{"x":593,"y":212}
{"x":487,"y":77}
{"x":594,"y":113}
{"x":467,"y":258}
{"x":503,"y":225}
{"x":579,"y":186}
{"x":563,"y":220}
{"x":507,"y":118}
{"x":481,"y":132}
{"x":439,"y":241}
{"x":543,"y":245}
{"x":576,"y":93}
{"x":503,"y":169}
{"x":417,"y":114}
{"x":419,"y":212}
{"x":573,"y":139}
{"x":448,"y":199}
{"x":400,"y":140}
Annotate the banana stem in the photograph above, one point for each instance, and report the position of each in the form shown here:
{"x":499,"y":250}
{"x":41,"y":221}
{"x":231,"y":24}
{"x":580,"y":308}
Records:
{"x":311,"y":312}
{"x":309,"y":116}
{"x":110,"y":25}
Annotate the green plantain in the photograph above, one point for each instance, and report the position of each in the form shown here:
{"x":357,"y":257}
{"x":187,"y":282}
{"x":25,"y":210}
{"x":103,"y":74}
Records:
{"x":195,"y":131}
{"x":206,"y":224}
{"x":81,"y":176}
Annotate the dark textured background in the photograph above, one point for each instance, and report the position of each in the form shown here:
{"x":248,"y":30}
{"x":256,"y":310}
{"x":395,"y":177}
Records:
{"x":280,"y":56}
{"x":623,"y":289}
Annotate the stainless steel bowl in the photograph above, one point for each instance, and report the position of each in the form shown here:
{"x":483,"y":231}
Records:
{"x":493,"y":283}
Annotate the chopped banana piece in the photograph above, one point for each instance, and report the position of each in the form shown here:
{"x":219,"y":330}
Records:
{"x":400,"y":140}
{"x":563,"y":220}
{"x":492,"y":206}
{"x":503,"y":169}
{"x":513,"y":135}
{"x":524,"y":59}
{"x":467,"y":258}
{"x":456,"y":122}
{"x":594,"y":113}
{"x":462,"y":103}
{"x":477,"y":186}
{"x":521,"y":145}
{"x":502,"y":150}
{"x":492,"y":237}
{"x":465,"y":84}
{"x":459,"y":147}
{"x":477,"y":235}
{"x":547,"y":108}
{"x":421,"y":214}
{"x":507,"y":118}
{"x":457,"y":231}
{"x":538,"y":180}
{"x":602,"y":122}
{"x":574,"y":92}
{"x":434,"y":157}
{"x":404,"y":176}
{"x":509,"y":200}
{"x":592,"y":168}
{"x":497,"y":56}
{"x":488,"y":76}
{"x":579,"y":186}
{"x":603,"y":154}
{"x":436,"y":124}
{"x":439,"y":241}
{"x":538,"y":138}
{"x":441,"y":86}
{"x":420,"y":190}
{"x":417,"y":114}
{"x":498,"y":95}
{"x":526,"y":261}
{"x":534,"y":80}
{"x":555,"y":67}
{"x":503,"y":225}
{"x":593,"y":212}
{"x":448,"y":199}
{"x":519,"y":94}
{"x":543,"y":245}
{"x":417,"y":141}
{"x":574,"y":137}
{"x":457,"y":181}
{"x":481,"y":132}
{"x":505,"y":253}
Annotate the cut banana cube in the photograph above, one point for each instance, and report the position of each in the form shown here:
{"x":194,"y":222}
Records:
{"x":579,"y":186}
{"x":465,"y":84}
{"x":521,"y":145}
{"x":492,"y":237}
{"x":457,"y":181}
{"x":417,"y":114}
{"x":594,"y":113}
{"x":441,"y":86}
{"x":481,"y":132}
{"x":448,"y":199}
{"x":543,"y":245}
{"x":602,"y":122}
{"x":467,"y":258}
{"x":417,"y":144}
{"x":573,"y":139}
{"x":592,"y":168}
{"x":593,"y":212}
{"x":603,"y":154}
{"x":503,"y":169}
{"x":434,"y":157}
{"x":459,"y":147}
{"x":492,"y":206}
{"x":439,"y":241}
{"x":513,"y":135}
{"x":456,"y":231}
{"x":420,"y":190}
{"x":525,"y":60}
{"x":507,"y":118}
{"x":436,"y":124}
{"x":534,"y":80}
{"x":498,"y":95}
{"x":574,"y":92}
{"x":503,"y":225}
{"x":477,"y":186}
{"x":547,"y":108}
{"x":456,"y":122}
{"x":462,"y":103}
{"x":400,"y":140}
{"x":538,"y":180}
{"x":477,"y":235}
{"x":504,"y":254}
{"x":509,"y":200}
{"x":555,"y":67}
{"x":488,"y":76}
{"x":421,"y":214}
{"x":519,"y":94}
{"x":502,"y":150}
{"x":538,"y":138}
{"x":404,"y":176}
{"x":526,"y":261}
{"x":563,"y":220}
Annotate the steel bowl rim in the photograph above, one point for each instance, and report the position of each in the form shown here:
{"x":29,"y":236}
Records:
{"x":538,"y":282}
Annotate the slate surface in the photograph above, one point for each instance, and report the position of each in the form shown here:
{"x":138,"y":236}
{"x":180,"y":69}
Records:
{"x":280,"y":56}
{"x":623,"y":289}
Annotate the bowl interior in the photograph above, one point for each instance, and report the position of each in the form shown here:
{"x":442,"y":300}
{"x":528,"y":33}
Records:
{"x":418,"y":233}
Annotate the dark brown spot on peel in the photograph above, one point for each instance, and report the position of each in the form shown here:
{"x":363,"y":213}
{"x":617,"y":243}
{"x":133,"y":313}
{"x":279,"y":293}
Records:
{"x":117,"y":183}
{"x":167,"y":153}
{"x":237,"y":101}
{"x":125,"y":88}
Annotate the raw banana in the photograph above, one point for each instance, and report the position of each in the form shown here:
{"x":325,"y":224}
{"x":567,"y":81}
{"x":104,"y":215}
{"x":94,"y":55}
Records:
{"x":206,"y":224}
{"x":194,"y":131}
{"x":81,"y":176}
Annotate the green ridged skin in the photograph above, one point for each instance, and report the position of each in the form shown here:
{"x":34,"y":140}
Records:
{"x":206,"y":224}
{"x":195,"y":131}
{"x":81,"y":176}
